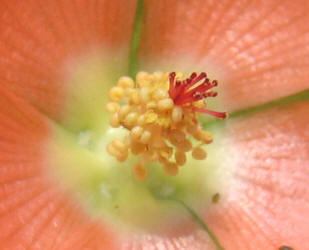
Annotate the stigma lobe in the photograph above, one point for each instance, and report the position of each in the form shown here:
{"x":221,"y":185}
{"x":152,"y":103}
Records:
{"x":186,"y":93}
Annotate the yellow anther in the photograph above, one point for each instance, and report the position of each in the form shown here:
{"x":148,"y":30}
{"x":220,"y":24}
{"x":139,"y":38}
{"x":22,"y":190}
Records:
{"x":141,"y":120}
{"x":141,"y":78}
{"x":136,"y":132}
{"x":165,"y":104}
{"x":137,"y":148}
{"x":164,"y":122}
{"x":125,"y":82}
{"x":134,"y":97}
{"x":151,"y":156}
{"x":128,"y":92}
{"x":112,"y":107}
{"x":145,"y":137}
{"x":144,"y":94}
{"x":203,"y":136}
{"x":120,"y":146}
{"x":150,"y":117}
{"x":171,"y":169}
{"x":127,"y":140}
{"x":166,"y":151}
{"x":180,"y":76}
{"x":201,"y":104}
{"x":118,"y":150}
{"x":180,"y":158}
{"x":112,"y":150}
{"x":114,"y":120}
{"x":166,"y":154}
{"x":160,"y":94}
{"x":140,"y":171}
{"x":116,"y":94}
{"x":131,"y":119}
{"x":177,"y":136}
{"x":177,"y":114}
{"x":199,"y":154}
{"x":193,"y":130}
{"x":184,"y":146}
{"x":123,"y":111}
{"x":157,"y":141}
{"x":206,"y":137}
{"x":160,"y":77}
{"x":123,"y":157}
{"x":151,"y":105}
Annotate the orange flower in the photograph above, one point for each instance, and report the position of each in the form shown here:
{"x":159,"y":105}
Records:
{"x":59,"y":189}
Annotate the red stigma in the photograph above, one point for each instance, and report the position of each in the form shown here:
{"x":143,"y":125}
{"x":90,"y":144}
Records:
{"x":196,"y":87}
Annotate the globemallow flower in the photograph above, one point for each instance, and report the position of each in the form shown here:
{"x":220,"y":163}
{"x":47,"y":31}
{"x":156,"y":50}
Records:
{"x":114,"y":131}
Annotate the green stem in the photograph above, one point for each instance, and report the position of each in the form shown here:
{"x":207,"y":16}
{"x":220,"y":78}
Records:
{"x":134,"y":45}
{"x":298,"y":97}
{"x":198,"y":220}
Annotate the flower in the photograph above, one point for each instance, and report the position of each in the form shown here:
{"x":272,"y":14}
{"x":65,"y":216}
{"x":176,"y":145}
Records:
{"x":58,"y":60}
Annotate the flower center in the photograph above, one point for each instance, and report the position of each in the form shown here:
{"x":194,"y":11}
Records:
{"x":151,"y":133}
{"x":160,"y":113}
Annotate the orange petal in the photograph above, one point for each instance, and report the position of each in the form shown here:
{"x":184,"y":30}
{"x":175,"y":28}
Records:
{"x":266,"y":205}
{"x":258,"y":50}
{"x":34,"y":214}
{"x":38,"y":37}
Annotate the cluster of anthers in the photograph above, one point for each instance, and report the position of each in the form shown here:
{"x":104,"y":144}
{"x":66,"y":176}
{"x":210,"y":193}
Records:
{"x":160,"y":112}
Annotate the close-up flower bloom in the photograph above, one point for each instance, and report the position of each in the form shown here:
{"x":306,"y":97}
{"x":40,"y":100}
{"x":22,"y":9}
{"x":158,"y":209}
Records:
{"x":131,"y":124}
